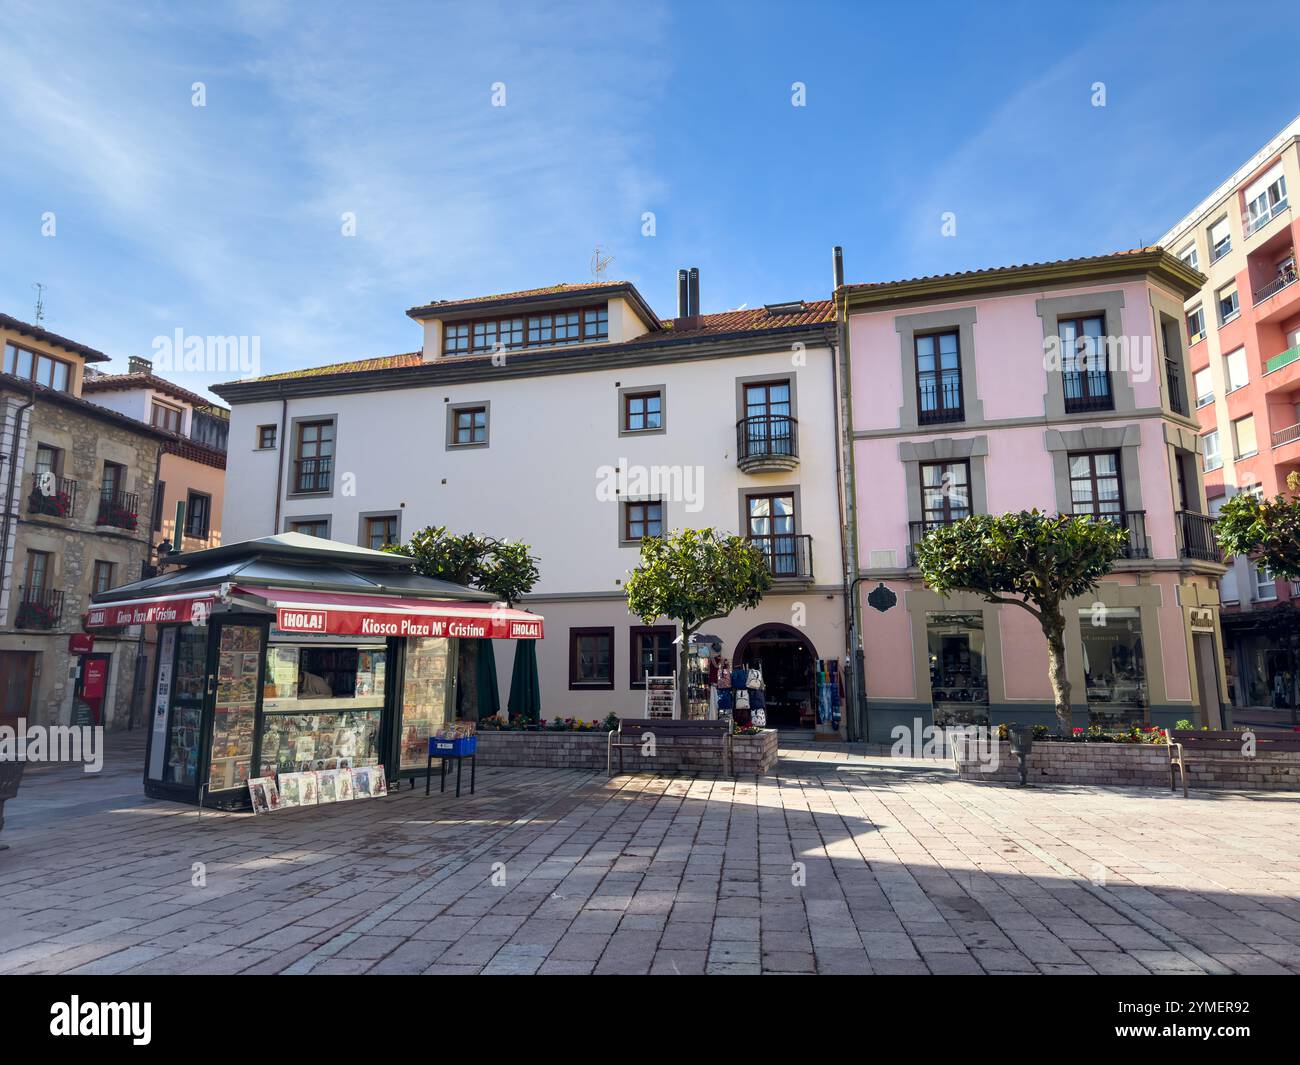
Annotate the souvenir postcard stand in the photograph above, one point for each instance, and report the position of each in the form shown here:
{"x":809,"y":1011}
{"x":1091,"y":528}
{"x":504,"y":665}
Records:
{"x":661,"y":697}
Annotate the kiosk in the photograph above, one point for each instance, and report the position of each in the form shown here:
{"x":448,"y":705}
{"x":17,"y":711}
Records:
{"x":290,"y":654}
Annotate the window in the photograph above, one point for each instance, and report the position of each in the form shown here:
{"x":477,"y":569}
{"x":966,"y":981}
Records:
{"x":1114,"y":666}
{"x":166,"y":417}
{"x":652,"y":653}
{"x":265,"y":437}
{"x":591,"y":658}
{"x":102,"y":580}
{"x":768,"y":427}
{"x":1243,"y":437}
{"x":1234,"y":370}
{"x":643,"y":411}
{"x":772,"y":525}
{"x":43,"y":369}
{"x":1204,"y":387}
{"x":1210,"y":450}
{"x":39,"y":569}
{"x":1095,"y":484}
{"x":1084,"y":364}
{"x":381,"y":531}
{"x":1189,"y":256}
{"x":512,"y":332}
{"x":642,"y":518}
{"x":49,"y":464}
{"x":455,"y":338}
{"x":112,"y":481}
{"x":198,"y":513}
{"x":938,"y":378}
{"x":1196,"y":325}
{"x":945,"y":492}
{"x":314,"y":465}
{"x":1265,"y":588}
{"x":1265,"y":199}
{"x":958,"y":671}
{"x":159,"y":495}
{"x":469,"y":426}
{"x":1228,"y":309}
{"x":1220,"y":240}
{"x":311,"y":527}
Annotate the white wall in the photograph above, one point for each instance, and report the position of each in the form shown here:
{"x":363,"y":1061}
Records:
{"x":537,"y":479}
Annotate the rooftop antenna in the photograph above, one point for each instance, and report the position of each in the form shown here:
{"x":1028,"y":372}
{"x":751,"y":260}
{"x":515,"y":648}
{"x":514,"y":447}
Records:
{"x":40,"y":301}
{"x":599,"y":263}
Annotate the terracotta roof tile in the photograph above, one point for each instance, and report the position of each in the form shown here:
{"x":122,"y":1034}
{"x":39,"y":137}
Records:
{"x":382,"y":362}
{"x":113,"y":382}
{"x":37,"y":333}
{"x":993,"y":271}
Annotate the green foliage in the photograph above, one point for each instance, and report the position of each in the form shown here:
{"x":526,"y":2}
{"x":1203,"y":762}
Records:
{"x":1043,"y":558}
{"x":1031,"y":560}
{"x":503,"y":567}
{"x":1266,"y":530}
{"x":695,"y":576}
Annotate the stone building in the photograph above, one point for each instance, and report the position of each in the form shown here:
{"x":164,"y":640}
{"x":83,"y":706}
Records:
{"x":77,"y":484}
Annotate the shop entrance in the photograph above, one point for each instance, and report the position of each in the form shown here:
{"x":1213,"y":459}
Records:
{"x":788,"y":661}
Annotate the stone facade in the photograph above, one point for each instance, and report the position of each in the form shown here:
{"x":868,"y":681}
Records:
{"x":68,"y":545}
{"x":1135,"y":765}
{"x":752,"y":755}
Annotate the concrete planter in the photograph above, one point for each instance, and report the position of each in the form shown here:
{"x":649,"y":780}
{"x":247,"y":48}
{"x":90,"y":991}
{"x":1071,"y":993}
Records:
{"x":1132,"y":765}
{"x":753,"y":755}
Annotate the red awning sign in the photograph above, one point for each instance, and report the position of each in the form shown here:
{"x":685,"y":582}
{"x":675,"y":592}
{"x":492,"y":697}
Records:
{"x":166,"y":611}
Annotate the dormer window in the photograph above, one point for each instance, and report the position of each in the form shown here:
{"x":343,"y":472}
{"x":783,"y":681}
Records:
{"x":43,"y":369}
{"x":552,"y":329}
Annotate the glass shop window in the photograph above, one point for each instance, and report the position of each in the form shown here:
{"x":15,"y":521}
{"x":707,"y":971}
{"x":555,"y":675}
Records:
{"x":959,"y":686}
{"x":1114,"y":665}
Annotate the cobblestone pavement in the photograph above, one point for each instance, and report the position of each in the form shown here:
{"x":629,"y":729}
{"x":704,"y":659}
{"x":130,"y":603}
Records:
{"x":835,"y":863}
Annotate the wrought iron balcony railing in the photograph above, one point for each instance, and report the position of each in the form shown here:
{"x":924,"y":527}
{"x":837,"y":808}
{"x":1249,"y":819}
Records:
{"x":789,"y":555}
{"x":767,"y":441}
{"x":52,"y":496}
{"x":118,"y":509}
{"x":312,"y":475}
{"x":38,"y":608}
{"x":1198,"y":537}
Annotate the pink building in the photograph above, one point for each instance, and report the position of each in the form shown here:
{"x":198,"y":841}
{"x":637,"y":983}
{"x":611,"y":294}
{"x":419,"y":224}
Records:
{"x":966,"y":396}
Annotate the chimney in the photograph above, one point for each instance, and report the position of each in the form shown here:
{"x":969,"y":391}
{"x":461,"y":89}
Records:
{"x":688,"y":299}
{"x":837,"y":254}
{"x":138,"y":364}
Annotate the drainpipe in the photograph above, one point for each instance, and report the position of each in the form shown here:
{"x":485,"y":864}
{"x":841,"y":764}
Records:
{"x":853,"y":609}
{"x":279,"y":466}
{"x":9,"y":498}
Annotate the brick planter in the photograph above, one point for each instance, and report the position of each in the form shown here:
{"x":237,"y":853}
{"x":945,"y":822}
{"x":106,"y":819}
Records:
{"x":753,"y":755}
{"x":1134,"y":765}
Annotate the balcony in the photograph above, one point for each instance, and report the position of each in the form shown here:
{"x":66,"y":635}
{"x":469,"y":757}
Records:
{"x":52,"y":496}
{"x":121,"y":510}
{"x":1087,"y":392}
{"x":916,"y":530}
{"x":789,"y":555}
{"x":1177,"y":397}
{"x":38,"y":608}
{"x":1286,"y":436}
{"x":1198,"y":537}
{"x":767,"y":443}
{"x":1286,"y":277}
{"x":1135,"y":523}
{"x":312,"y":475}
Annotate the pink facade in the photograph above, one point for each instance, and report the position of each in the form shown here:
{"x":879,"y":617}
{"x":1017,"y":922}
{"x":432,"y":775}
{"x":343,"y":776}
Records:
{"x":1013,"y":438}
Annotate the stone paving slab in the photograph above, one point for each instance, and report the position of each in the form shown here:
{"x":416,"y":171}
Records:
{"x":837,"y":862}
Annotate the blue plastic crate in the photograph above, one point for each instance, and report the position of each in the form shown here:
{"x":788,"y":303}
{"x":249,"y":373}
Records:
{"x":460,"y":748}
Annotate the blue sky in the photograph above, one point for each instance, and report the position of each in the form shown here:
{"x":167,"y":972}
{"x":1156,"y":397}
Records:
{"x":226,"y":219}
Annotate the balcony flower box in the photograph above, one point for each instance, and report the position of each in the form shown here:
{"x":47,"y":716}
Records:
{"x":118,"y":516}
{"x":36,"y":615}
{"x":57,"y":504}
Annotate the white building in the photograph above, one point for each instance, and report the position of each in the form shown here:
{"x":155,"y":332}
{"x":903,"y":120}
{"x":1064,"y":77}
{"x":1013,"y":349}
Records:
{"x":575,"y":419}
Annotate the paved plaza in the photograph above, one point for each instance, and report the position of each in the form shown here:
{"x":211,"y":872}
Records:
{"x":835,"y":863}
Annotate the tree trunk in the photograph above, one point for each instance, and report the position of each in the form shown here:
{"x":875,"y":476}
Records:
{"x":1054,"y":629}
{"x":683,"y":657}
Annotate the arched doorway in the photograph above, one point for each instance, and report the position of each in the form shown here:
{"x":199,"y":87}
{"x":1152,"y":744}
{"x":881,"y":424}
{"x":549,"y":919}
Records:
{"x":789,"y":664}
